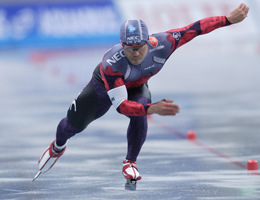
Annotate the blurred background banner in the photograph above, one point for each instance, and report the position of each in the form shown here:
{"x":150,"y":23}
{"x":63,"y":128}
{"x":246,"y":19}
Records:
{"x":88,"y":23}
{"x":39,"y":24}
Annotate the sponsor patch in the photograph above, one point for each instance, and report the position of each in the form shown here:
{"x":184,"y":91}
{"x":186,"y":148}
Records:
{"x":176,"y":35}
{"x":153,"y":41}
{"x":131,"y":28}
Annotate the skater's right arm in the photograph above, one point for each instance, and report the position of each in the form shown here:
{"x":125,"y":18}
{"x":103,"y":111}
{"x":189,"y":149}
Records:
{"x":117,"y":93}
{"x":164,"y":107}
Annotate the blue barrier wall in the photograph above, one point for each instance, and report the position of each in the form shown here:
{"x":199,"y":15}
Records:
{"x":43,"y":25}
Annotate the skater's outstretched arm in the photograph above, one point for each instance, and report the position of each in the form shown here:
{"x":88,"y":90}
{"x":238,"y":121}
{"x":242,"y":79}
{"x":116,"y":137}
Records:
{"x":239,"y":14}
{"x":181,"y":36}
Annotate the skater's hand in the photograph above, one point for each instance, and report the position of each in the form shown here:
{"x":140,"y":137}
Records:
{"x":239,"y":14}
{"x":164,"y":107}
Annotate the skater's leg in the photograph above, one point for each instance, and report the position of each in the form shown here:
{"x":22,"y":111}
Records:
{"x":136,"y":133}
{"x":65,"y":131}
{"x":90,"y":104}
{"x":137,"y":129}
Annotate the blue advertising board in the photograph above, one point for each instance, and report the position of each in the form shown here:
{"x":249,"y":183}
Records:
{"x":44,"y":25}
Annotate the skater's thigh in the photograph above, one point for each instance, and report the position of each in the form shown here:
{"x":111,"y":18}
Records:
{"x":90,"y":104}
{"x":140,"y":94}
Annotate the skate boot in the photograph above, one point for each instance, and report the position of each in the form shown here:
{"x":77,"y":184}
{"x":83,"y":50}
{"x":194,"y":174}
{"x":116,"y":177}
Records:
{"x":49,"y":158}
{"x":131,"y":174}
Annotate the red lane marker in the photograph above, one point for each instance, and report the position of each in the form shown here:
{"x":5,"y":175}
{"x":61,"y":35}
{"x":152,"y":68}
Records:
{"x":181,"y":135}
{"x":220,"y":155}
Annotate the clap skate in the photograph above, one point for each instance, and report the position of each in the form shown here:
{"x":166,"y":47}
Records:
{"x":49,"y":158}
{"x":131,"y":174}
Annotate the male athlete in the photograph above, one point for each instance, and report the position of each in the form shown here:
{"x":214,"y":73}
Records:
{"x":121,"y":80}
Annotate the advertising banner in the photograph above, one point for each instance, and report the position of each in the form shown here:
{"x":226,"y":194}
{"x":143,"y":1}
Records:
{"x":42,"y":25}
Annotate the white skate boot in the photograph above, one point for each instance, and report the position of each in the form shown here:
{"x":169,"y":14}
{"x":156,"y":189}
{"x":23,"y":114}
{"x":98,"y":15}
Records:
{"x":131,"y":174}
{"x":49,"y":158}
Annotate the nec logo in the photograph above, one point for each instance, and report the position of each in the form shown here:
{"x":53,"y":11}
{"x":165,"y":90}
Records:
{"x":116,"y":57}
{"x":133,"y":38}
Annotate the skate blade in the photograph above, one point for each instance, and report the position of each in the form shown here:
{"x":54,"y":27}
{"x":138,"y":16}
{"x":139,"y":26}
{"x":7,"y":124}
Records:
{"x":130,"y":184}
{"x":37,"y":175}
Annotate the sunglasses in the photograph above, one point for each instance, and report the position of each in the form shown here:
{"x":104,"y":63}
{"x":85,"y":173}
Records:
{"x":134,"y":48}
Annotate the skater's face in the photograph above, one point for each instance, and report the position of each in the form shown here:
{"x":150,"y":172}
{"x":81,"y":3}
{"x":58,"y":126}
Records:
{"x":136,"y":53}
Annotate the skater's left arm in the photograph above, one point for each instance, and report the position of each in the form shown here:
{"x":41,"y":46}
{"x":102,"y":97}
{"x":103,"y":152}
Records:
{"x":239,"y":14}
{"x":181,"y":36}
